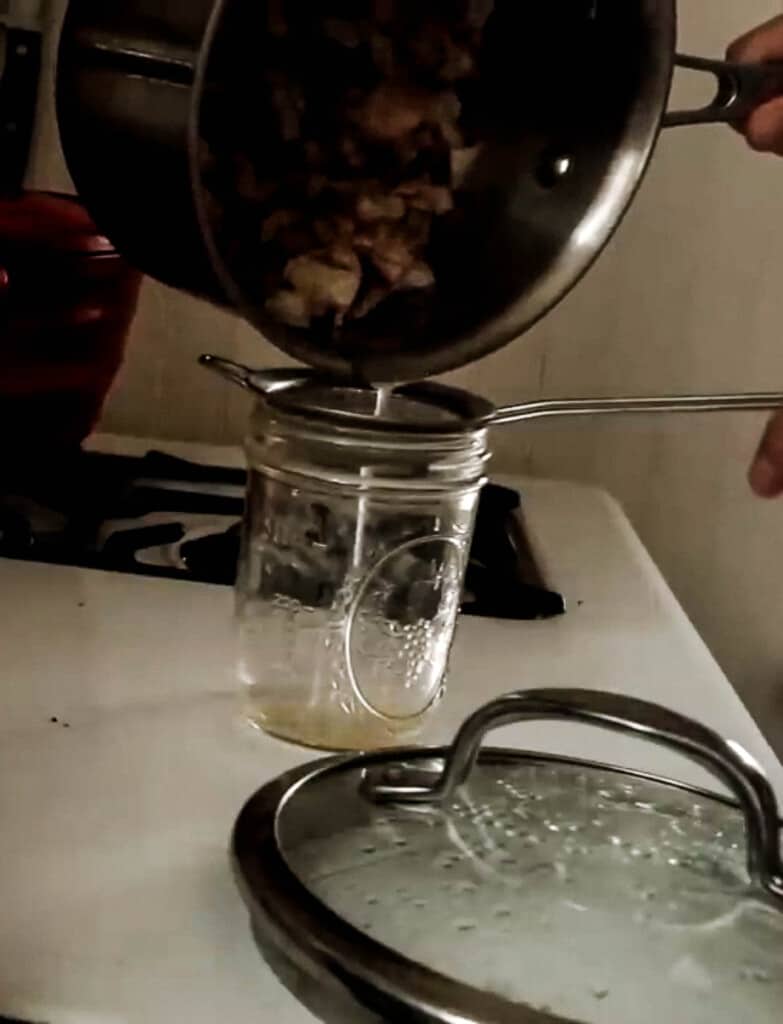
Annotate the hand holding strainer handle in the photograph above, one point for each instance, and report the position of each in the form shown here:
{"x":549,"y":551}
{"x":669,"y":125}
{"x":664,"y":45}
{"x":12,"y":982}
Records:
{"x":726,"y":760}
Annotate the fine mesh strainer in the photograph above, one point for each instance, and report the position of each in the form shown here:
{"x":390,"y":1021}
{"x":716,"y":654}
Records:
{"x":494,"y":887}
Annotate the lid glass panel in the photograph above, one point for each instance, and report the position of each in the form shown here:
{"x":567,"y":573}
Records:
{"x":588,"y":893}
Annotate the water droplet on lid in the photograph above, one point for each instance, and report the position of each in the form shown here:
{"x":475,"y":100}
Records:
{"x":561,"y":872}
{"x":465,"y":887}
{"x":465,"y":925}
{"x":502,"y":911}
{"x":445,"y":862}
{"x":757,"y":974}
{"x":368,"y":849}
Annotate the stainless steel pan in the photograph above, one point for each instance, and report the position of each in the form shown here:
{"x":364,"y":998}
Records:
{"x":581,"y":90}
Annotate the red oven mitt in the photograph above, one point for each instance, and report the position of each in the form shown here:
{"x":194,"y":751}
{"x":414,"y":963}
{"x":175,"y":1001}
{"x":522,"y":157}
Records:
{"x":67,"y":301}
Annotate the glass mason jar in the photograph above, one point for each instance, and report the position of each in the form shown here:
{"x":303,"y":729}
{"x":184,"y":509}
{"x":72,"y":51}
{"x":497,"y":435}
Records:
{"x":359,"y":519}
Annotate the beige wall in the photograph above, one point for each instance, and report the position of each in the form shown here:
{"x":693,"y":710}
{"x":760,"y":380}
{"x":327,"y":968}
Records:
{"x":688,"y":298}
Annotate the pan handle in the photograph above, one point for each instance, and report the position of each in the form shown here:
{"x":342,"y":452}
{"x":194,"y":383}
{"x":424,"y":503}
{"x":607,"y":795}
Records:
{"x":742,"y":88}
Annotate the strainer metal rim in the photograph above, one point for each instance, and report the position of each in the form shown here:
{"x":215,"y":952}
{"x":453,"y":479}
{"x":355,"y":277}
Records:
{"x":328,"y":950}
{"x":471,"y":413}
{"x":277,"y":390}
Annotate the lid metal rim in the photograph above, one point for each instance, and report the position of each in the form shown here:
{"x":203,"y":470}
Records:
{"x":313,"y":938}
{"x":316,"y":940}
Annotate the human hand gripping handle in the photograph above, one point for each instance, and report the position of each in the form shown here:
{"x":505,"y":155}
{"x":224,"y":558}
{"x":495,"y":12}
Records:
{"x":764,"y":127}
{"x":763,"y":130}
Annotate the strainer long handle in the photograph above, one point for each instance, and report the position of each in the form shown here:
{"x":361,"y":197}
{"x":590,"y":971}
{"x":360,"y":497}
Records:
{"x":561,"y":408}
{"x":724,"y":759}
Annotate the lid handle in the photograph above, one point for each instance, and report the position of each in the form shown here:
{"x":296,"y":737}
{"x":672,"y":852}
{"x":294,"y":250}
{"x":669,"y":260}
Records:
{"x":725,"y":759}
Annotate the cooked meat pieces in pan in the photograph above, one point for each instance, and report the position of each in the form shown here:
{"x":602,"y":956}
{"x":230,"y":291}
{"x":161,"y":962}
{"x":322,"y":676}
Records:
{"x":326,"y":195}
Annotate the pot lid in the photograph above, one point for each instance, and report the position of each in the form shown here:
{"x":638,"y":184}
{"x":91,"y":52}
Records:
{"x":502,"y":886}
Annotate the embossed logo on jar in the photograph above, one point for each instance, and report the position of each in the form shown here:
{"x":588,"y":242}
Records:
{"x":400,"y":627}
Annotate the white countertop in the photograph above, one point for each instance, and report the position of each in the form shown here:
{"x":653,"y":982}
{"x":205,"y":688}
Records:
{"x":118,"y":904}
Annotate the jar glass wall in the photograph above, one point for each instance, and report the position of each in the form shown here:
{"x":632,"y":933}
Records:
{"x":355,"y":545}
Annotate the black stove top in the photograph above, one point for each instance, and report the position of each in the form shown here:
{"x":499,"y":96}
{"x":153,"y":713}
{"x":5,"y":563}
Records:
{"x":162,"y":516}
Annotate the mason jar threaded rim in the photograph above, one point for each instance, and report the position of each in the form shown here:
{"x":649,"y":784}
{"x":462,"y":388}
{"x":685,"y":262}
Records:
{"x":429,"y":437}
